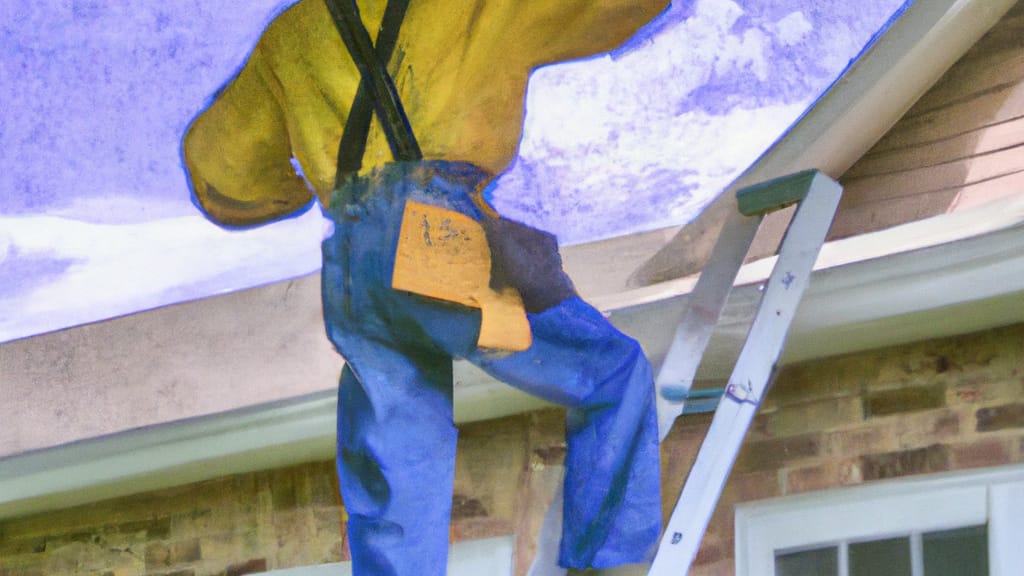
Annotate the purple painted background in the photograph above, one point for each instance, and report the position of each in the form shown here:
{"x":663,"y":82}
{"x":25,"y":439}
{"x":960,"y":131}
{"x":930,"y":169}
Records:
{"x":95,"y":216}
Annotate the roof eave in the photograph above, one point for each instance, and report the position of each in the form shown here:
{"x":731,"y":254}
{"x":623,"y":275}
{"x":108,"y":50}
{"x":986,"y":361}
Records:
{"x":850,"y":117}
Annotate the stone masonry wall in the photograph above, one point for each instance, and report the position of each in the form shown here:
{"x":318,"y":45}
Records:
{"x":949,"y":404}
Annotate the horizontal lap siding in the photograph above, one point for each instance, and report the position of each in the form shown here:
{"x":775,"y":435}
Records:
{"x":960,"y":145}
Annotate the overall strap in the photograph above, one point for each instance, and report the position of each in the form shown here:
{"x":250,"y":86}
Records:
{"x":376,"y":90}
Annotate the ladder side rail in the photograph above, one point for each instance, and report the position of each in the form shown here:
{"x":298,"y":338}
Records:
{"x":703,"y":309}
{"x":677,"y":371}
{"x":749,"y":380}
{"x":706,"y":302}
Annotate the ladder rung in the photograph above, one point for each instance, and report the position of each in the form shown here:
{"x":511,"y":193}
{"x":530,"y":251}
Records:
{"x":697,"y":401}
{"x":702,"y":406}
{"x":774,"y":194}
{"x":681,"y":394}
{"x":752,"y":373}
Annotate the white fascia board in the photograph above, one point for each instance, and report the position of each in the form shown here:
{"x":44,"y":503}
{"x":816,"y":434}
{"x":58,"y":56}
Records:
{"x":879,"y":87}
{"x":855,"y":112}
{"x":887,"y":507}
{"x":969,"y":282}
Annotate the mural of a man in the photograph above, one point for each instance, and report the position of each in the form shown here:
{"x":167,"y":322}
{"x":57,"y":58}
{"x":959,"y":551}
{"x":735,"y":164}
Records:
{"x":460,"y":68}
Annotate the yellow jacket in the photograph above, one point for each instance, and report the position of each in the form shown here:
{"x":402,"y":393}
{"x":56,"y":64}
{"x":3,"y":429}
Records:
{"x":460,"y":66}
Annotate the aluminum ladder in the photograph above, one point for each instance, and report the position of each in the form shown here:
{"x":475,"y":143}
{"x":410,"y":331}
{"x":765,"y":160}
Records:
{"x":817,"y":197}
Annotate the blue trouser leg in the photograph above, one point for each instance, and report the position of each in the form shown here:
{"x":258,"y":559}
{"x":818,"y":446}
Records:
{"x":612,"y":510}
{"x":396,"y":454}
{"x":396,"y":440}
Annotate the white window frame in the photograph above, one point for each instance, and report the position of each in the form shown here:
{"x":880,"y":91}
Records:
{"x":889,"y":508}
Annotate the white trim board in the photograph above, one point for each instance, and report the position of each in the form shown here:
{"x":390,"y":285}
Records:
{"x":857,"y":111}
{"x":257,"y":438}
{"x":878,"y":89}
{"x":969,"y":284}
{"x":887,"y":508}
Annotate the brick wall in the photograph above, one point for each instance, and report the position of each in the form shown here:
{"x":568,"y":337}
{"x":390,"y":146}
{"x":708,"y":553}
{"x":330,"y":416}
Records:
{"x":506,"y":472}
{"x":230,"y":526}
{"x":947,"y":404}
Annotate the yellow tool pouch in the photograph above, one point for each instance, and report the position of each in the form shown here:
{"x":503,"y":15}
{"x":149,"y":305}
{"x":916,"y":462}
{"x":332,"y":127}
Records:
{"x":444,"y":254}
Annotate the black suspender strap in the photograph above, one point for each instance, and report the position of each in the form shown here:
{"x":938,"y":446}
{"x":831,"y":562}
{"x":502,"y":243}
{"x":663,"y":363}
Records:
{"x":376,"y":89}
{"x":357,"y":127}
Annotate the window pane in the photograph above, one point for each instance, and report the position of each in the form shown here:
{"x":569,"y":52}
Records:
{"x":960,"y":552}
{"x":890,"y":557}
{"x":821,"y":562}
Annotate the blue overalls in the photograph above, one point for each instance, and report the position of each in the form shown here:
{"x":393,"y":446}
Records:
{"x":396,"y":436}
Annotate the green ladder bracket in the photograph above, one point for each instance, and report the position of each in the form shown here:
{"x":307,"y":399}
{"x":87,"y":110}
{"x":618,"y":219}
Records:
{"x":775,"y":194}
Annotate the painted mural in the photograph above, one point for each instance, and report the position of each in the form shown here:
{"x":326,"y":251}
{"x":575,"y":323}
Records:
{"x":95,"y":215}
